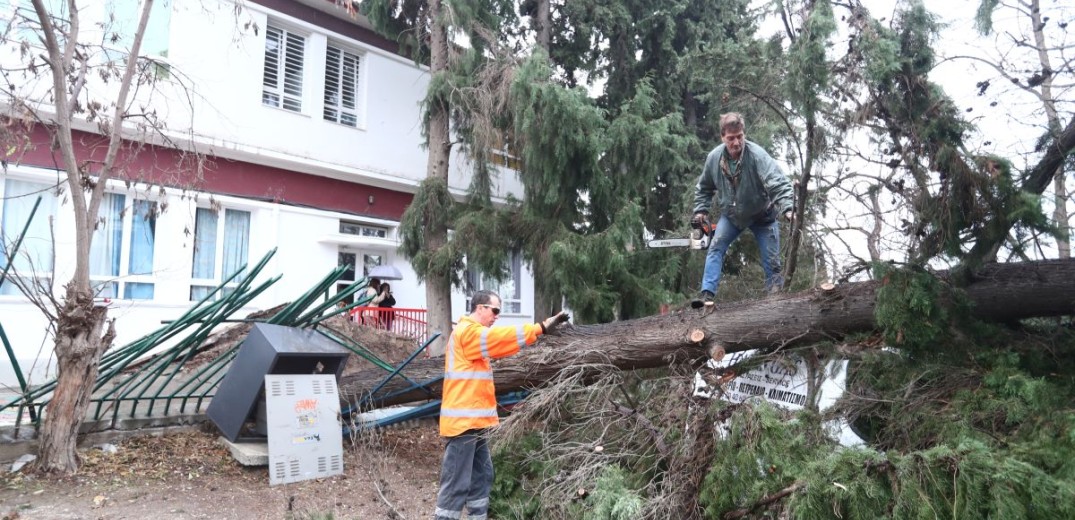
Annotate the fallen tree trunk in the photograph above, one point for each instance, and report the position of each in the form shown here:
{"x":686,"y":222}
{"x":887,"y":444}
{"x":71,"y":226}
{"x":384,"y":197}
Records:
{"x":1000,"y":292}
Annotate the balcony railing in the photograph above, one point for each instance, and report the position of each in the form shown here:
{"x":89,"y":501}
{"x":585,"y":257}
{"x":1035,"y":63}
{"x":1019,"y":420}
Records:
{"x":409,"y":323}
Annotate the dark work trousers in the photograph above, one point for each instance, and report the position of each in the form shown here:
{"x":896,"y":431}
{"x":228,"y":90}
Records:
{"x":466,"y":476}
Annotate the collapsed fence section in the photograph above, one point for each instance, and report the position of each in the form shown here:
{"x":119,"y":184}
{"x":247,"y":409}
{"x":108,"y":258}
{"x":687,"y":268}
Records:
{"x":161,"y":375}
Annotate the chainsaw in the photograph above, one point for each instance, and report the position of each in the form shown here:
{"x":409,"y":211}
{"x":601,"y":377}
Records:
{"x":701,"y":233}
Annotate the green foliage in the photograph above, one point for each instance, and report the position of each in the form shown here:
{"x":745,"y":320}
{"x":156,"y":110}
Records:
{"x":560,"y":133}
{"x":881,"y":53}
{"x":595,"y":271}
{"x":969,"y":481}
{"x":513,"y":466}
{"x":808,"y":68}
{"x":612,"y":498}
{"x":960,"y":442}
{"x":761,"y":454}
{"x":484,"y":235}
{"x":976,"y":204}
{"x":911,"y":308}
{"x":983,"y":18}
{"x":643,"y":144}
{"x":397,"y":20}
{"x":407,"y":21}
{"x":432,"y":203}
{"x":588,"y":188}
{"x":993,"y":386}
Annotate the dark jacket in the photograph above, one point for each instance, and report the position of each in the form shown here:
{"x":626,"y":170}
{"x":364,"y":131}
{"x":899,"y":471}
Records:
{"x":764,"y":191}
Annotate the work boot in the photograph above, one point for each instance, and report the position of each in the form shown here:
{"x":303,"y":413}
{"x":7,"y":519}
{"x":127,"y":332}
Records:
{"x":704,"y":298}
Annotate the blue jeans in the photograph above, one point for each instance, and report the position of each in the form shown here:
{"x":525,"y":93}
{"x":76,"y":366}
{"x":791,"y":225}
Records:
{"x":466,"y":476}
{"x":768,"y":237}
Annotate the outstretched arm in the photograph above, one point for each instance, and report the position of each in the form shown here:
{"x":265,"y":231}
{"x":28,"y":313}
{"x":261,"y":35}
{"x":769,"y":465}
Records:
{"x":497,"y":342}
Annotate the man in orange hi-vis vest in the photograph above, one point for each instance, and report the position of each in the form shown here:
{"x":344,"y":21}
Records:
{"x":468,"y":403}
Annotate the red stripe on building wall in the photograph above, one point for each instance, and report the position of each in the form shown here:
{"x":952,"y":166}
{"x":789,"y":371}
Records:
{"x":172,"y":168}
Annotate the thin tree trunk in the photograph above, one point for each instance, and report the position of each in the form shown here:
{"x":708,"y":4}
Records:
{"x":79,"y":340}
{"x":543,"y":24}
{"x":1000,"y":292}
{"x":801,"y":190}
{"x":547,"y":300}
{"x":1060,"y":198}
{"x":438,"y":284}
{"x":1061,"y":215}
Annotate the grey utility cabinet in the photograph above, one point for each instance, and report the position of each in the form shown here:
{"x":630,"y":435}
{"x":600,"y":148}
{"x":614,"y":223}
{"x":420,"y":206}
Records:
{"x":269,"y":349}
{"x":303,"y":422}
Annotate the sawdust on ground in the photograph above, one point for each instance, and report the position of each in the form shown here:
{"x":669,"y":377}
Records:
{"x":387,"y":474}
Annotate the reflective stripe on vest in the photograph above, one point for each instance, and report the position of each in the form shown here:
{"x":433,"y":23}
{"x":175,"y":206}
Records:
{"x":467,"y":375}
{"x":452,"y":377}
{"x":468,"y":398}
{"x":468,"y":412}
{"x":520,"y":335}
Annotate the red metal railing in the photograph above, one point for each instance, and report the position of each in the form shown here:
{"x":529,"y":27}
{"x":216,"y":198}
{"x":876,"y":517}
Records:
{"x":410,"y":323}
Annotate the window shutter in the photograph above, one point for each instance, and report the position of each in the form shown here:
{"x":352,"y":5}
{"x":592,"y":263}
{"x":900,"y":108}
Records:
{"x":342,"y":71}
{"x":282,"y":77}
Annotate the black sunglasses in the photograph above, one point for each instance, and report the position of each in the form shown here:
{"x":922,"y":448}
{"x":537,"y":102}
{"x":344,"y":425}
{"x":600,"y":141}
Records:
{"x":496,"y":310}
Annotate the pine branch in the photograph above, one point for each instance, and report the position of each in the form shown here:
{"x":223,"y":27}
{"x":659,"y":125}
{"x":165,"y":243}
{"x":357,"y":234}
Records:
{"x":765,"y":501}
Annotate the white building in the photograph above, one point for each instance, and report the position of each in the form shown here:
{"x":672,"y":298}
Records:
{"x":313,"y":124}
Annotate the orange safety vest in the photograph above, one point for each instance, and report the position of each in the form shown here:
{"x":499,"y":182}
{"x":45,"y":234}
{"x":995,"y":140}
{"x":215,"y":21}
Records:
{"x":468,"y":398}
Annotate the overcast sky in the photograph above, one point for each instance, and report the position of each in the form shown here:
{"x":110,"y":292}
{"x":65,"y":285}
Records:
{"x":1008,"y":119}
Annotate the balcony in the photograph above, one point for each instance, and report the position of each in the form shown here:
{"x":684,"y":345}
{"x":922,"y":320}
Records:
{"x":409,"y":323}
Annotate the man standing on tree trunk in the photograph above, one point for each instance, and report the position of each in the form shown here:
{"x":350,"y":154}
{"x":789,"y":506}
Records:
{"x":468,"y":403}
{"x":751,"y":193}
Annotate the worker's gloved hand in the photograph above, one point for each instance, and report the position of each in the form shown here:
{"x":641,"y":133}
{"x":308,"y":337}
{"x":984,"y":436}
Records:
{"x":700,"y":217}
{"x":552,"y":323}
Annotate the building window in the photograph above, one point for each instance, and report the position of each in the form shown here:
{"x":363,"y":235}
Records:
{"x":348,"y":277}
{"x":362,"y":230}
{"x":342,"y":72}
{"x":504,"y":154}
{"x":282,"y":80}
{"x":508,"y":289}
{"x":369,"y":262}
{"x":33,"y":260}
{"x":221,"y":247}
{"x":121,"y":256}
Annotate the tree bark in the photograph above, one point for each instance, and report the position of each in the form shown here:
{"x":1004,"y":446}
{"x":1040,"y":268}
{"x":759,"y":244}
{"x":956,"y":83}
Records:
{"x":543,"y":24}
{"x":80,"y":340}
{"x":547,"y":299}
{"x":438,"y":284}
{"x":79,"y":346}
{"x":1000,"y":292}
{"x":1060,"y":196}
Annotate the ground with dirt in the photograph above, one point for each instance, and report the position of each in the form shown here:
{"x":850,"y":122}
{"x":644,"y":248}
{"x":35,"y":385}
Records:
{"x":387,"y":474}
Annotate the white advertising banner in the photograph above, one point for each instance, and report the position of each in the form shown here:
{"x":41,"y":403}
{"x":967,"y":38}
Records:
{"x":782,"y":382}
